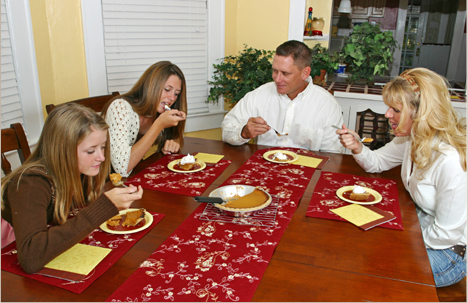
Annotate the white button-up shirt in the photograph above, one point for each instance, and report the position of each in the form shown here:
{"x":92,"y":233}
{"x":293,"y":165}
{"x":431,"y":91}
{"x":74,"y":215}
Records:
{"x":441,"y":196}
{"x":307,"y":119}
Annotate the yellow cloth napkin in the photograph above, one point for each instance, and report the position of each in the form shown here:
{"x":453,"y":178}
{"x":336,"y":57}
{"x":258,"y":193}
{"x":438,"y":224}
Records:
{"x":208,"y":158}
{"x":150,"y":151}
{"x":80,"y":259}
{"x":308,"y":161}
{"x":357,"y":214}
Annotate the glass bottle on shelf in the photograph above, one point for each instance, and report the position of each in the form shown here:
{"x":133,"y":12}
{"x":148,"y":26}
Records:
{"x":308,"y":26}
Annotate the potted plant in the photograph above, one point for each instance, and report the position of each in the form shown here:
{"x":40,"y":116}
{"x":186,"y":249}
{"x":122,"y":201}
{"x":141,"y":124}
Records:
{"x":322,"y":62}
{"x":237,"y":75}
{"x":368,"y":51}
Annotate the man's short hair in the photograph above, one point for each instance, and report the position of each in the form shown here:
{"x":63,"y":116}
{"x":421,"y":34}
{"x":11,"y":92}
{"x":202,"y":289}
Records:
{"x":300,"y":52}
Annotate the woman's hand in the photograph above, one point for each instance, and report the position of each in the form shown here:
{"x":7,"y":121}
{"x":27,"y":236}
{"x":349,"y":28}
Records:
{"x":170,"y":147}
{"x":170,"y":118}
{"x":124,"y":197}
{"x":348,"y":140}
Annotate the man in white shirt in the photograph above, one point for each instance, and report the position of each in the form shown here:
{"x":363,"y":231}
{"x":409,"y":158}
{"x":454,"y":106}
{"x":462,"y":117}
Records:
{"x":291,"y":104}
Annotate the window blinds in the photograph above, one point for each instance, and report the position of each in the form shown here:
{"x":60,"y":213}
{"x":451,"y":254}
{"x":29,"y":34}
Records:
{"x":12,"y":111}
{"x":138,"y":33}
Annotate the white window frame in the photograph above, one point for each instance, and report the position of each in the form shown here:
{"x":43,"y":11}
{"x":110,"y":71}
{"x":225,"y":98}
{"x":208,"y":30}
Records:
{"x":95,"y":57}
{"x":22,"y":43}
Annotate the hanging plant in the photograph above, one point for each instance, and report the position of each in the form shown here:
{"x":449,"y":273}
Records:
{"x":368,"y":51}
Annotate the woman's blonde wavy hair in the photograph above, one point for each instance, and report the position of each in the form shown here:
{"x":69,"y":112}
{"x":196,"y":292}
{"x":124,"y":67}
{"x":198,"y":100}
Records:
{"x":145,"y":95}
{"x":434,"y":118}
{"x":56,"y":154}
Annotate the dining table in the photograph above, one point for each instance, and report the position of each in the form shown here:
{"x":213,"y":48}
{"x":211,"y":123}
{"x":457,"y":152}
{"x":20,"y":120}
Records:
{"x":316,"y":259}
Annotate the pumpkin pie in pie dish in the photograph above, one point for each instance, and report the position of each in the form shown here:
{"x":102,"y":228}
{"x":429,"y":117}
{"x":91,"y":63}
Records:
{"x":256,"y":200}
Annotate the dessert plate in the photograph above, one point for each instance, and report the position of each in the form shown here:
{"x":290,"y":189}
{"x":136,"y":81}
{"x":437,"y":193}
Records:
{"x":148,"y":218}
{"x":173,"y":163}
{"x":340,"y":191}
{"x":270,"y":153}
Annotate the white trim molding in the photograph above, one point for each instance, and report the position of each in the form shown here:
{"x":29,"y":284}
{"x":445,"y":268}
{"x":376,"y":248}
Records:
{"x":22,"y":43}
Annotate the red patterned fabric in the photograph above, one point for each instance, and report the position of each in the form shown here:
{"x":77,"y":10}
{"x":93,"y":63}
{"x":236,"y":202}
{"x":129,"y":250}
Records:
{"x":215,"y":261}
{"x":119,"y":244}
{"x":325,"y":198}
{"x":158,"y":177}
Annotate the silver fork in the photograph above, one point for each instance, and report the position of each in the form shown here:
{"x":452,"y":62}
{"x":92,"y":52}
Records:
{"x":355,"y":136}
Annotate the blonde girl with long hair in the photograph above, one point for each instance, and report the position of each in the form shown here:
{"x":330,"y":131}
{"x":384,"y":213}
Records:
{"x":66,"y":171}
{"x":152,"y":112}
{"x":430,"y":146}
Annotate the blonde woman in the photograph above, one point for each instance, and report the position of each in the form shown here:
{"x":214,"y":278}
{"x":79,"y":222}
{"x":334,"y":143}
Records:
{"x":430,"y":146}
{"x":67,"y":170}
{"x":138,"y":119}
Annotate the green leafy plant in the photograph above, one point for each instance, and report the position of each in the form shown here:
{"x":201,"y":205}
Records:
{"x":237,"y":75}
{"x":368,"y":52}
{"x":322,"y":59}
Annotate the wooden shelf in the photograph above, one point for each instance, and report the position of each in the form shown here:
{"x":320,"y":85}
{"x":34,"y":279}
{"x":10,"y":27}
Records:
{"x":320,"y":38}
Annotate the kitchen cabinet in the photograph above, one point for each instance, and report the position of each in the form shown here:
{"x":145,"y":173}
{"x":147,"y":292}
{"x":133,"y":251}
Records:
{"x":363,"y":9}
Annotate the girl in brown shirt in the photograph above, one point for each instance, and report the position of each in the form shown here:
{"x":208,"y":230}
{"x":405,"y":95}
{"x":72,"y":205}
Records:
{"x":67,"y":170}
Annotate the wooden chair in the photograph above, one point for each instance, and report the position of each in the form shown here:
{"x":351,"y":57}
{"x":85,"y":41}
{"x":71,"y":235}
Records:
{"x":95,"y":103}
{"x":375,"y":126}
{"x":14,"y":138}
{"x":453,"y":293}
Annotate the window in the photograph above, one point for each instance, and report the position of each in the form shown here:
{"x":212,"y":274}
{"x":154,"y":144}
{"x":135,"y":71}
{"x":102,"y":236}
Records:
{"x":137,"y":33}
{"x":21,"y":99}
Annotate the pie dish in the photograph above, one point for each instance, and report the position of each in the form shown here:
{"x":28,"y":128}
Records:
{"x":171,"y":166}
{"x":231,"y":192}
{"x":291,"y":156}
{"x":377,"y":195}
{"x":148,"y":218}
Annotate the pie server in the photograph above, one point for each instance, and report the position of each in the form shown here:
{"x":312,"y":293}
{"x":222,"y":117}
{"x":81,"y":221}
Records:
{"x":213,"y":200}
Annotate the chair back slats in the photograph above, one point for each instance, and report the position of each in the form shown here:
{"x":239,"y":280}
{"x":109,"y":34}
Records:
{"x":95,"y":103}
{"x":14,"y":138}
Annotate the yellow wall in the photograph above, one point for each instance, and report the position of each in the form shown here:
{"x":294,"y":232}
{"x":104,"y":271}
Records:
{"x":261,"y":24}
{"x":58,"y":38}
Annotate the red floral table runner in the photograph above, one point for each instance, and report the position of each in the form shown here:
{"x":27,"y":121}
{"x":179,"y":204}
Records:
{"x":324,"y":197}
{"x":158,"y":177}
{"x":119,"y":244}
{"x":216,"y":261}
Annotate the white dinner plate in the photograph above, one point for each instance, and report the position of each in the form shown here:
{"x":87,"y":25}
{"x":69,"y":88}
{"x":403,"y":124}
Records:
{"x":171,"y":167}
{"x":268,"y":153}
{"x":148,"y":218}
{"x":376,"y":194}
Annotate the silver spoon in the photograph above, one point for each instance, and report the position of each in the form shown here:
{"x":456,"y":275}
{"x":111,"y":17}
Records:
{"x":278,"y":133}
{"x":166,"y":107}
{"x":355,"y":136}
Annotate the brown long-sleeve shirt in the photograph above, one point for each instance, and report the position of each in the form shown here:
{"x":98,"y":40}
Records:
{"x":30,"y":208}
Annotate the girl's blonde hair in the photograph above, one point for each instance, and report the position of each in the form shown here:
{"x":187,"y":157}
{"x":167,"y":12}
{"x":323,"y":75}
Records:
{"x":145,"y":95}
{"x":427,"y":102}
{"x":56,"y":155}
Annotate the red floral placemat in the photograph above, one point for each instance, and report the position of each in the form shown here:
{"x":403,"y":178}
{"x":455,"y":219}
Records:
{"x":119,"y":244}
{"x":216,"y":261}
{"x":324,"y":197}
{"x":158,"y":177}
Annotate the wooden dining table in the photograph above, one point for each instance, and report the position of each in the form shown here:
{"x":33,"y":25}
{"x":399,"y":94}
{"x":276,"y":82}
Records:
{"x":316,"y":259}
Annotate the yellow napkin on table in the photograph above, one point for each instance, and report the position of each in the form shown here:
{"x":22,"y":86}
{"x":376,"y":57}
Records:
{"x":208,"y":158}
{"x":357,"y":214}
{"x":308,"y":161}
{"x":80,"y":259}
{"x":150,"y":151}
